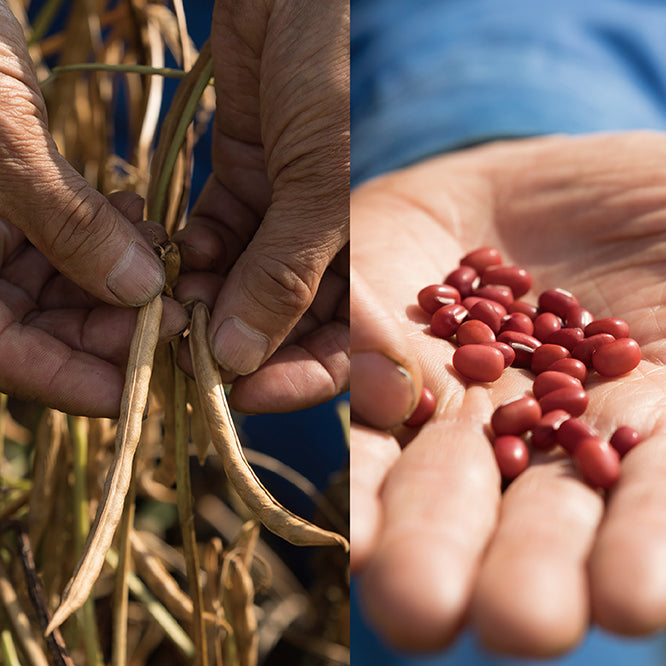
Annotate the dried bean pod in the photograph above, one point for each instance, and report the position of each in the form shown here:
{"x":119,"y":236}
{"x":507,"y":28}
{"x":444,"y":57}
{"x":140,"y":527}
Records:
{"x":245,"y":482}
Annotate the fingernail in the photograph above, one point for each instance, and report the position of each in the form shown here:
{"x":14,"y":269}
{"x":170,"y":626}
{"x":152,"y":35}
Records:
{"x":238,"y":347}
{"x":382,"y":391}
{"x":137,"y":277}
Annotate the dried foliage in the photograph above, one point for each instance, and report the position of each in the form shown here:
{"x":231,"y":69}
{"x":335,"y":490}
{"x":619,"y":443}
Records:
{"x":199,"y":581}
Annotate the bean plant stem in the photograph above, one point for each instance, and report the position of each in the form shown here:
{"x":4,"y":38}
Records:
{"x":7,"y":648}
{"x":146,"y":70}
{"x":185,"y":510}
{"x":79,"y":433}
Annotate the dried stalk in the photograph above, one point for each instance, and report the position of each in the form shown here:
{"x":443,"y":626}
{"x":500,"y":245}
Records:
{"x":240,"y":602}
{"x":245,"y":482}
{"x":133,"y":404}
{"x":186,"y":513}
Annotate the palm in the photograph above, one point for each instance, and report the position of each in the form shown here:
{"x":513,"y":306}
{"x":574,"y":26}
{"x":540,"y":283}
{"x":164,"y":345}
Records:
{"x":532,"y":564}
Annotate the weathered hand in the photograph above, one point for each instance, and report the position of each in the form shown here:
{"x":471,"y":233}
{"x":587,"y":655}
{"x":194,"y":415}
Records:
{"x":58,"y":344}
{"x":266,"y":243}
{"x":434,"y":540}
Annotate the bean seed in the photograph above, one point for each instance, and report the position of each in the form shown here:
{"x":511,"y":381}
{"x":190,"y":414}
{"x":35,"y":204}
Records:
{"x":516,"y":416}
{"x":586,"y":348}
{"x":507,"y":352}
{"x":598,"y":461}
{"x":489,"y":312}
{"x":496,"y":292}
{"x":570,"y":399}
{"x":480,"y":363}
{"x":435,"y":296}
{"x":481,"y":258}
{"x":424,"y":409}
{"x":578,"y":317}
{"x":545,"y":325}
{"x":624,"y":439}
{"x":465,"y":279}
{"x":544,"y":433}
{"x":616,"y":358}
{"x":532,"y":311}
{"x":446,"y":320}
{"x":550,"y":380}
{"x":518,"y":279}
{"x":571,"y":366}
{"x":558,"y":301}
{"x":517,"y":322}
{"x":546,"y":355}
{"x":522,"y":344}
{"x":614,"y":326}
{"x":470,"y":301}
{"x":567,"y":337}
{"x":512,"y":456}
{"x":572,"y":432}
{"x":474,"y":332}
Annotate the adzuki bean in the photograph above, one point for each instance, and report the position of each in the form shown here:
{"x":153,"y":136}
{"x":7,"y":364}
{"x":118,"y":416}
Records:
{"x":558,"y":340}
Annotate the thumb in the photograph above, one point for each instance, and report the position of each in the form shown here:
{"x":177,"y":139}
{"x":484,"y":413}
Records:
{"x":385,"y":374}
{"x":72,"y":224}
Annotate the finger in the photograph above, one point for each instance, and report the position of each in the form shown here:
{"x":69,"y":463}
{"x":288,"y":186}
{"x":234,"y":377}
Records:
{"x":36,"y":367}
{"x":72,"y":224}
{"x":373,"y":453}
{"x":532,"y":596}
{"x":627,"y":574}
{"x":440,"y":501}
{"x":105,"y":331}
{"x":386,"y":376}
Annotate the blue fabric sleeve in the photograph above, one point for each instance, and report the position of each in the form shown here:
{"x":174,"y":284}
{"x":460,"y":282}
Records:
{"x":432,"y":75}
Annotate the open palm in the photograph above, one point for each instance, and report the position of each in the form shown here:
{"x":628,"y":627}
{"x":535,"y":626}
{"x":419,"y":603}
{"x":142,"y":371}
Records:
{"x":435,"y":540}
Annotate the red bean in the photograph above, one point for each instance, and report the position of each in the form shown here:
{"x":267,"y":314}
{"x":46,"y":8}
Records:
{"x":571,"y":366}
{"x":446,"y":320}
{"x":614,"y":326}
{"x":578,"y":317}
{"x":572,"y":432}
{"x":480,"y":363}
{"x":558,"y":301}
{"x":545,"y":325}
{"x":532,"y":311}
{"x":586,"y":348}
{"x":516,"y":416}
{"x":544,"y":356}
{"x":474,"y":332}
{"x":567,"y":337}
{"x":465,"y":279}
{"x":518,"y":279}
{"x":512,"y":456}
{"x":435,"y":296}
{"x":616,"y":358}
{"x":424,"y":409}
{"x":570,"y":399}
{"x":517,"y":322}
{"x":522,"y":344}
{"x":489,"y":312}
{"x":550,"y":380}
{"x":624,"y":439}
{"x":598,"y":461}
{"x":470,"y":301}
{"x":496,"y":292}
{"x":508,"y":353}
{"x":544,"y":433}
{"x":481,"y":258}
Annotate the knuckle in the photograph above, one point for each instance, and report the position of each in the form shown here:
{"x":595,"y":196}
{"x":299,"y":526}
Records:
{"x":281,"y":287}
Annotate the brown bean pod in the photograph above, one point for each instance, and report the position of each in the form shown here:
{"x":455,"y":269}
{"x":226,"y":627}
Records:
{"x":275,"y":517}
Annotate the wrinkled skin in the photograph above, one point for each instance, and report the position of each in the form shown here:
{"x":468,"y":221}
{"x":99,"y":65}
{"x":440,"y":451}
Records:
{"x":434,"y":541}
{"x":266,"y":243}
{"x":61,"y":344}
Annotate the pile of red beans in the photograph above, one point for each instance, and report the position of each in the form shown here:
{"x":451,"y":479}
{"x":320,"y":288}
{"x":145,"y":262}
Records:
{"x":478,"y":307}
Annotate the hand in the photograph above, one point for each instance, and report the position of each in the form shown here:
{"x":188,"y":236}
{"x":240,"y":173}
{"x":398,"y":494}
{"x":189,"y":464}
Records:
{"x":266,"y":244}
{"x":434,"y":540}
{"x":58,"y":344}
